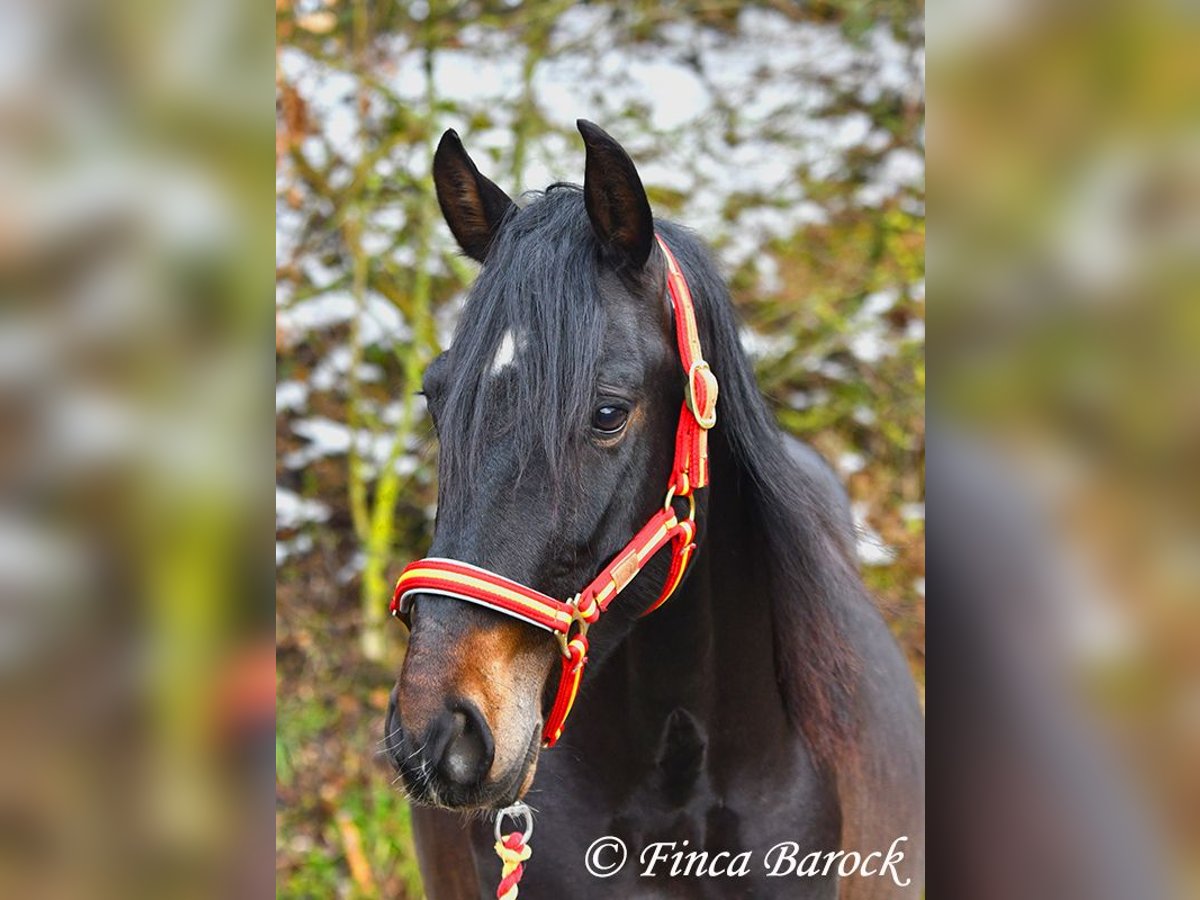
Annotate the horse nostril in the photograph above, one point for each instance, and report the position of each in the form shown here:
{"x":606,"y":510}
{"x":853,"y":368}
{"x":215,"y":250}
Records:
{"x":468,"y":750}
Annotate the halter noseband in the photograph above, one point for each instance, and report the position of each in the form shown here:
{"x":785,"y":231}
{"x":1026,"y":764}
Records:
{"x":569,"y":620}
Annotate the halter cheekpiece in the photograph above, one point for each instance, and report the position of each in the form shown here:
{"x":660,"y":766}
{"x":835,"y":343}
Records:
{"x":569,"y":620}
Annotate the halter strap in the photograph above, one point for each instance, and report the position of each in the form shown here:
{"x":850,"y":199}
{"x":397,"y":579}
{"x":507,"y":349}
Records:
{"x":569,"y":620}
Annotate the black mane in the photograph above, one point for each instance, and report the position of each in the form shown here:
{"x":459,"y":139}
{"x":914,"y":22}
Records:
{"x":799,"y":534}
{"x":541,"y":279}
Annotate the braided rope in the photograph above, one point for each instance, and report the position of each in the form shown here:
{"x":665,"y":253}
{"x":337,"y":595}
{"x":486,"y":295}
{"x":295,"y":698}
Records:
{"x":513,"y":851}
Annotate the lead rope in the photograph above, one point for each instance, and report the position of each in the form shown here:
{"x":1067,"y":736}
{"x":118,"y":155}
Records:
{"x":513,"y":850}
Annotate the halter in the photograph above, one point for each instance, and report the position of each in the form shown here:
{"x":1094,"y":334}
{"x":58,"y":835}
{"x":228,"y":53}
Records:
{"x":569,"y":620}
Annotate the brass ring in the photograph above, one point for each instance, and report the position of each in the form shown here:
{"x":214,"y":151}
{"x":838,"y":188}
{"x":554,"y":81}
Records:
{"x":691,"y":499}
{"x":564,"y":637}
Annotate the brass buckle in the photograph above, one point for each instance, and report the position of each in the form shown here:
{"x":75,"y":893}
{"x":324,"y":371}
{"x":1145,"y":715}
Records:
{"x":564,"y":637}
{"x":707,"y":418}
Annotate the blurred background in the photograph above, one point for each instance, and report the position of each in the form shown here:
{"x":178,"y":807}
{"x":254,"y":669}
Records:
{"x":136,"y":671}
{"x":1064,"y":409}
{"x":791,"y":136}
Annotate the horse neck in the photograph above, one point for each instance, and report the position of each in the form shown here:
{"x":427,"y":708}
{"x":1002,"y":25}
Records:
{"x":709,"y":650}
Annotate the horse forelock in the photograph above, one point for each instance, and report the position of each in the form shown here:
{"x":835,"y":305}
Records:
{"x":531,"y":332}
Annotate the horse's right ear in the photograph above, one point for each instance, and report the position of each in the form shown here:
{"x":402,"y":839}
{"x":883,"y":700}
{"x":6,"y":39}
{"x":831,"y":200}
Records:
{"x":472,"y":205}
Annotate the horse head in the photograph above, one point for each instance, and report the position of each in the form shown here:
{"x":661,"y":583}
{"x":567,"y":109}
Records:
{"x":555,"y":409}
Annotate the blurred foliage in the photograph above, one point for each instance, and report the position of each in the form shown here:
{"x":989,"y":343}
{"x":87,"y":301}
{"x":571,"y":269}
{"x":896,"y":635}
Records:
{"x":790,"y":136}
{"x":1069,"y":351}
{"x":136,"y":676}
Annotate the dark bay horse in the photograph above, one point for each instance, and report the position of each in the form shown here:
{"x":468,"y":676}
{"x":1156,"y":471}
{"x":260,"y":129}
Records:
{"x":765,"y":704}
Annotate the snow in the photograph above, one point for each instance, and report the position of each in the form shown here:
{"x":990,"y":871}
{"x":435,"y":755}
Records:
{"x":292,"y":510}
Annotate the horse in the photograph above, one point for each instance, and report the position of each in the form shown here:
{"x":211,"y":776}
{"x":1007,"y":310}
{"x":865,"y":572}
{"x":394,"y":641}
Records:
{"x":756,"y":736}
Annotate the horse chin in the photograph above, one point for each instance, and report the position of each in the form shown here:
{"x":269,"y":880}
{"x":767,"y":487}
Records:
{"x":520,"y":779}
{"x":526,"y":782}
{"x":514,"y":784}
{"x":530,"y":766}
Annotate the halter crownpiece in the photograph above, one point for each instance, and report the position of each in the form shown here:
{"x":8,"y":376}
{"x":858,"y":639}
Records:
{"x":569,"y":620}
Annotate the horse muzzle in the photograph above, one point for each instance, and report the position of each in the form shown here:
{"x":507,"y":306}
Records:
{"x":464,"y":723}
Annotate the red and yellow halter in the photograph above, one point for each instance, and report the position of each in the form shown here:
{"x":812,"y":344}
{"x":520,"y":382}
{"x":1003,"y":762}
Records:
{"x":569,"y":620}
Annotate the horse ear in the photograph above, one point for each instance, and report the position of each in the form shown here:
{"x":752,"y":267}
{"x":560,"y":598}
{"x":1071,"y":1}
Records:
{"x":616,"y":201}
{"x":471,"y":204}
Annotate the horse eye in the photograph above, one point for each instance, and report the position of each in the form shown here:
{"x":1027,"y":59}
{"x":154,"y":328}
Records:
{"x":609,"y":419}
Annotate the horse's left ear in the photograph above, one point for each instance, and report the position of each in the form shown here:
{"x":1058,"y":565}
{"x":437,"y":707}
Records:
{"x":616,"y":201}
